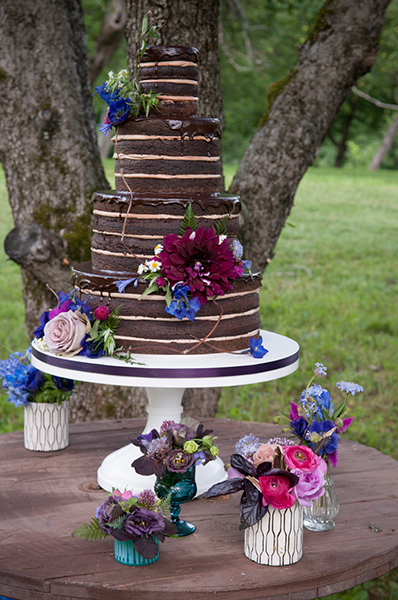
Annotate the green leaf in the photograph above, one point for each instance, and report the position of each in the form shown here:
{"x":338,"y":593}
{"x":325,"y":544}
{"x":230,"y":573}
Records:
{"x":144,"y":25}
{"x":152,"y":31}
{"x":220,"y":226}
{"x":152,"y":287}
{"x":89,"y":531}
{"x":189,"y":220}
{"x":340,"y":410}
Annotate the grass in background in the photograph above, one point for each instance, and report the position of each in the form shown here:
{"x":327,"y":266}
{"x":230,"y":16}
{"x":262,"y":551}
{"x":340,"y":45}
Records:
{"x":332,"y":286}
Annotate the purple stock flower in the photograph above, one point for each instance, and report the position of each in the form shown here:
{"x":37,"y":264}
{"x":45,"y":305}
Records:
{"x":143,"y":522}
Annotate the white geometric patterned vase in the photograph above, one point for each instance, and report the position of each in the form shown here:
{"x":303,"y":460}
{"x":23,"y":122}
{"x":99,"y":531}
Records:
{"x":46,"y":426}
{"x":277,"y":539}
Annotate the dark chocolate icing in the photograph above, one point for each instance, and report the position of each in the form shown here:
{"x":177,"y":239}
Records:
{"x":229,"y":201}
{"x":158,"y":53}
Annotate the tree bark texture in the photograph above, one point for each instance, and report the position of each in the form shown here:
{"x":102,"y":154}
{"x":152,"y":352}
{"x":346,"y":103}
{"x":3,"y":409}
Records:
{"x":341,"y":47}
{"x":109,"y":37}
{"x":48,"y":143}
{"x":184,"y":23}
{"x":385,"y":146}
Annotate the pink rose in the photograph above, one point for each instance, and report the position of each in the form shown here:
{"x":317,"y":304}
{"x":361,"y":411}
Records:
{"x":300,"y":457}
{"x":64,"y":333}
{"x":118,"y":495}
{"x":265,"y":453}
{"x":277,"y":491}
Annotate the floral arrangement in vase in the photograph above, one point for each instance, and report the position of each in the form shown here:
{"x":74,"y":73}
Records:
{"x":276,"y":479}
{"x":44,"y":398}
{"x":172,"y":453}
{"x":136,"y":522}
{"x":318,"y":424}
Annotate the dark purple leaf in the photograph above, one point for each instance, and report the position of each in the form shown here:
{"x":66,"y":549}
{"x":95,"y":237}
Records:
{"x":122,"y":535}
{"x":159,"y":536}
{"x":293,"y":479}
{"x":148,"y":466}
{"x":263,"y":468}
{"x":242,"y":465}
{"x":230,"y":486}
{"x":169,"y":528}
{"x":116,"y":512}
{"x":146,"y":546}
{"x":251,"y":506}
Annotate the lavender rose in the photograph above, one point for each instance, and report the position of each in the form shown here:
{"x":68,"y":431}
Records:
{"x":65,"y":332}
{"x":311,"y":485}
{"x":144,"y":522}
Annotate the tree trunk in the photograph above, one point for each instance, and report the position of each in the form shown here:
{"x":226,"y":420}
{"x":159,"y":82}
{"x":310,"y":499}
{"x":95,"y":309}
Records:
{"x":342,"y":144}
{"x":108,"y":38}
{"x":48,"y":139}
{"x":184,"y":23}
{"x":341,"y":47}
{"x":385,"y":146}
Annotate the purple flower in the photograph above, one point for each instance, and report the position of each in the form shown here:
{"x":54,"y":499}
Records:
{"x":123,"y":283}
{"x":346,"y":423}
{"x":257,"y":349}
{"x":34,"y":381}
{"x":311,"y":485}
{"x":198,"y":260}
{"x":293,"y":414}
{"x":44,"y":318}
{"x":143,"y":522}
{"x":184,"y":308}
{"x":299,"y":426}
{"x":349,"y":388}
{"x":101,"y":313}
{"x":147,"y":499}
{"x":323,"y":427}
{"x":63,"y":384}
{"x":108,"y":96}
{"x":118,"y":111}
{"x":104,"y":514}
{"x":179,"y":461}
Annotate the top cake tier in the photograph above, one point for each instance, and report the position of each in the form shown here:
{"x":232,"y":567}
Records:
{"x":171,"y":72}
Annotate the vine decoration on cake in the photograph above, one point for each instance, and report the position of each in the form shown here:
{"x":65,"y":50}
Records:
{"x":72,"y":328}
{"x":122,"y":93}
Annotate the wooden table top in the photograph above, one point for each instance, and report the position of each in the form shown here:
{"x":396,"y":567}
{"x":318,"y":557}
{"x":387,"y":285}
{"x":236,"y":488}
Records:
{"x":44,"y":496}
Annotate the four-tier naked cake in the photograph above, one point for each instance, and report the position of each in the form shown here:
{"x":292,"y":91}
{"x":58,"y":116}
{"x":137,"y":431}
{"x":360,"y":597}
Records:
{"x":165,"y":164}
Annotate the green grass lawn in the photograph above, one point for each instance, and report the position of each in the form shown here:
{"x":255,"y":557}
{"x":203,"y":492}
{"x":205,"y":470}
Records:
{"x":332,"y":286}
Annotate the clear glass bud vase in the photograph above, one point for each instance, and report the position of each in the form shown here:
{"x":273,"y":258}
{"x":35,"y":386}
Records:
{"x":320,"y":516}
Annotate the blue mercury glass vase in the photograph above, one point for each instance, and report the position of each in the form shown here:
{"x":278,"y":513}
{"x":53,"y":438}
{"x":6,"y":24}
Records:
{"x":183,"y":488}
{"x":125,"y":553}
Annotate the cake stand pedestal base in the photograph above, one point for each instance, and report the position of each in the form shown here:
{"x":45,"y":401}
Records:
{"x":164,"y":404}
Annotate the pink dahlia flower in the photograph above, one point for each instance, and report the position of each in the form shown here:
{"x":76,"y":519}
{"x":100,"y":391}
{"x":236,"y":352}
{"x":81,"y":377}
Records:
{"x":198,"y":260}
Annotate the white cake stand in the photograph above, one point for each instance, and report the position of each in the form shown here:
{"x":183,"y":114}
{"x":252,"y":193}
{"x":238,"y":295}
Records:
{"x":165,"y":378}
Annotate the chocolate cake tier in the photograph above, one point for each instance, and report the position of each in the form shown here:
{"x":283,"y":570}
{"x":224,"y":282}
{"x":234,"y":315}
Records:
{"x":172,"y":73}
{"x":146,"y":328}
{"x":168,"y":156}
{"x":143,"y":221}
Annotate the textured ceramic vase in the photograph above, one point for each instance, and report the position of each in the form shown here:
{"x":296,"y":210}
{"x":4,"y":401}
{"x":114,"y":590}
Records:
{"x":126,"y":554}
{"x":46,"y":426}
{"x":277,"y":539}
{"x":320,"y":516}
{"x":183,"y":488}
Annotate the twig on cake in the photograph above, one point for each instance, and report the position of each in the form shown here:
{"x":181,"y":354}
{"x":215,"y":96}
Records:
{"x":209,"y":334}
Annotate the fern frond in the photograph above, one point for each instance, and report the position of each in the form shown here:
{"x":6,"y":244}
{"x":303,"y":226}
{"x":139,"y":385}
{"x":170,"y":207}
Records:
{"x":189,"y":220}
{"x":89,"y":531}
{"x":220,"y":226}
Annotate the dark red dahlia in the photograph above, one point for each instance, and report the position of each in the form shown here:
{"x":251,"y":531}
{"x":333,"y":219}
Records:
{"x":198,"y":259}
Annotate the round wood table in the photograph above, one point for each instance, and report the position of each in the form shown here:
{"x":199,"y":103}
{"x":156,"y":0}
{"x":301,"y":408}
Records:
{"x":44,"y":496}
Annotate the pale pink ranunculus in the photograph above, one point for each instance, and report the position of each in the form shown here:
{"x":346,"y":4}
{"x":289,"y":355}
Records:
{"x":265,"y":453}
{"x":300,"y":457}
{"x":65,"y":332}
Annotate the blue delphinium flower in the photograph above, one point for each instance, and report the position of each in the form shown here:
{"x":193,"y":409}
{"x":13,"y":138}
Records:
{"x":257,"y":349}
{"x":64,"y":385}
{"x":349,"y":388}
{"x":181,"y":306}
{"x":16,"y":372}
{"x":108,"y":96}
{"x":322,"y":400}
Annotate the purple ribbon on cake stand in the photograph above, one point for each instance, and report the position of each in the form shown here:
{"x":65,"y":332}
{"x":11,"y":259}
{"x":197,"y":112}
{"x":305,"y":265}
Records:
{"x":165,"y":378}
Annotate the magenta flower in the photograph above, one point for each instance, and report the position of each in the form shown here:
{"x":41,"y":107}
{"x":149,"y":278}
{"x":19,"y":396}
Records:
{"x":346,"y":423}
{"x":277,"y":490}
{"x":101,"y":313}
{"x":300,"y":457}
{"x":198,"y":260}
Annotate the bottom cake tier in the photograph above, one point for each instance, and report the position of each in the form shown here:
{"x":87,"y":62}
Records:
{"x":225,"y":324}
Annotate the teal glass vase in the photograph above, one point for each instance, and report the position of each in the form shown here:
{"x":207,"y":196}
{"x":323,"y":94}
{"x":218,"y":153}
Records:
{"x":125,"y":553}
{"x":183,"y":488}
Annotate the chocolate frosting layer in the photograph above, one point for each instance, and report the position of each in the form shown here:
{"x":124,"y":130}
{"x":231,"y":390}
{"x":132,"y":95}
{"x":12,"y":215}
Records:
{"x":112,"y":196}
{"x":158,"y":53}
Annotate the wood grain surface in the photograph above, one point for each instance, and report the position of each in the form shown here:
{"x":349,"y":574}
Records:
{"x":44,"y":496}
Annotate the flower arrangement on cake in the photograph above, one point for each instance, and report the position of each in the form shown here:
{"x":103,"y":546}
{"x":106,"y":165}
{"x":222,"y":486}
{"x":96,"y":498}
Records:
{"x":138,"y":520}
{"x":316,"y":421}
{"x":73,"y":328}
{"x":123,"y":94}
